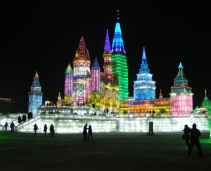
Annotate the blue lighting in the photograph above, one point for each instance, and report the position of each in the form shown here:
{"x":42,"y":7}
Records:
{"x":144,"y":86}
{"x":118,"y":45}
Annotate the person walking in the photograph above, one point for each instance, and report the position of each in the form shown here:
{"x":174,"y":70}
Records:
{"x":12,"y":126}
{"x":35,"y":129}
{"x":85,"y":132}
{"x":186,"y":134}
{"x":90,"y":132}
{"x":195,"y":133}
{"x":52,"y":130}
{"x":45,"y":129}
{"x":5,"y":126}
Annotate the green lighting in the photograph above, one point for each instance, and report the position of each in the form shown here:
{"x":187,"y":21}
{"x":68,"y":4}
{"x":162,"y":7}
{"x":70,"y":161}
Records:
{"x":120,"y":68}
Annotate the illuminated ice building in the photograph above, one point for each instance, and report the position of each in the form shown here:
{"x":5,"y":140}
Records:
{"x":35,"y":95}
{"x":181,"y":95}
{"x":86,"y":85}
{"x":101,"y":98}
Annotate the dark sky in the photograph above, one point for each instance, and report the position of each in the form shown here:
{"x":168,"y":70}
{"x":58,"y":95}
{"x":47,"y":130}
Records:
{"x":44,"y":35}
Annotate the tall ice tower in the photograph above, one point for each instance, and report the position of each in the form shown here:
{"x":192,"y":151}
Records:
{"x":119,"y":61}
{"x":81,"y":75}
{"x":68,"y":85}
{"x":35,"y":95}
{"x":107,"y":54}
{"x":181,"y":96}
{"x":144,"y":86}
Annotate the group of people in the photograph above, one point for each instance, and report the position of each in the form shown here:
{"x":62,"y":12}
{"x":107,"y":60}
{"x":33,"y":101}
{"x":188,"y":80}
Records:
{"x":12,"y":126}
{"x":87,"y":136}
{"x":45,"y":129}
{"x":191,"y":137}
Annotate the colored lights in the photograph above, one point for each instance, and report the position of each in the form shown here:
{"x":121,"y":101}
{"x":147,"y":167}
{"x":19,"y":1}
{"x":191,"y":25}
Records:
{"x":35,"y":96}
{"x":144,"y":87}
{"x":181,"y":98}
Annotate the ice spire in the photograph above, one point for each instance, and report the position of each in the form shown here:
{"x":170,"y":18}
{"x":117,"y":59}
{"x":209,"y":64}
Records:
{"x":69,"y":69}
{"x":95,"y":64}
{"x":36,"y":82}
{"x":180,"y":79}
{"x":82,"y":53}
{"x":144,"y":64}
{"x":107,"y":46}
{"x":117,"y":44}
{"x":180,"y":65}
{"x":144,"y":57}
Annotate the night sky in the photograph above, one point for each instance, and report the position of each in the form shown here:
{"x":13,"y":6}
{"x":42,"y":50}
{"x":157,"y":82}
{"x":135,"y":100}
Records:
{"x":44,"y":35}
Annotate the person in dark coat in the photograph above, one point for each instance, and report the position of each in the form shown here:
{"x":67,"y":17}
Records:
{"x":186,"y":131}
{"x":35,"y":129}
{"x":90,"y":132}
{"x":85,"y":132}
{"x":45,"y":129}
{"x":195,"y":133}
{"x":52,"y":130}
{"x":6,"y":125}
{"x":12,"y":126}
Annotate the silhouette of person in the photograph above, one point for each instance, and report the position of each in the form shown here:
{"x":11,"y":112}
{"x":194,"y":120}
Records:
{"x":19,"y":119}
{"x":186,"y":131}
{"x":85,"y":132}
{"x":12,"y":126}
{"x":35,"y":129}
{"x":90,"y":132}
{"x":45,"y":129}
{"x":52,"y":130}
{"x":6,"y":125}
{"x":195,"y":133}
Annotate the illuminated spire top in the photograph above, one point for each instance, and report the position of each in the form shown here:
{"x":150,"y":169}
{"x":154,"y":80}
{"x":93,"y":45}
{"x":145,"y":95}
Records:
{"x":144,"y":57}
{"x":36,"y":82}
{"x":69,"y":69}
{"x":180,"y":79}
{"x":117,"y":44}
{"x":144,"y":64}
{"x":180,"y":65}
{"x":36,"y":76}
{"x":205,"y":92}
{"x":107,"y":46}
{"x":95,"y":65}
{"x":82,"y":53}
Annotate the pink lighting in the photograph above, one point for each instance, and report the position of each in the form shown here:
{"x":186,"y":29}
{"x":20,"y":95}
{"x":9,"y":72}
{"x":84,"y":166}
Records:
{"x":181,"y":96}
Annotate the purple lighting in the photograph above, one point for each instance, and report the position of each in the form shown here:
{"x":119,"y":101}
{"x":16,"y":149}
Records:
{"x":107,"y":46}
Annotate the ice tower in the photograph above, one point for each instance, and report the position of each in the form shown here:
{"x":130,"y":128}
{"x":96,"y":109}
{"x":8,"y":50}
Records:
{"x":144,"y":86}
{"x":119,"y":62}
{"x":95,"y":76}
{"x":68,"y":85}
{"x":107,"y":58}
{"x":181,"y":96}
{"x":81,"y":76}
{"x":35,"y":96}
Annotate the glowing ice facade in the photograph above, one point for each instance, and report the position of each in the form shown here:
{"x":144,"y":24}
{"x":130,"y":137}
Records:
{"x":68,"y":85}
{"x":95,"y":76}
{"x":119,"y":63}
{"x":35,"y":95}
{"x":81,"y":75}
{"x":67,"y":122}
{"x":144,"y":86}
{"x":181,"y":96}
